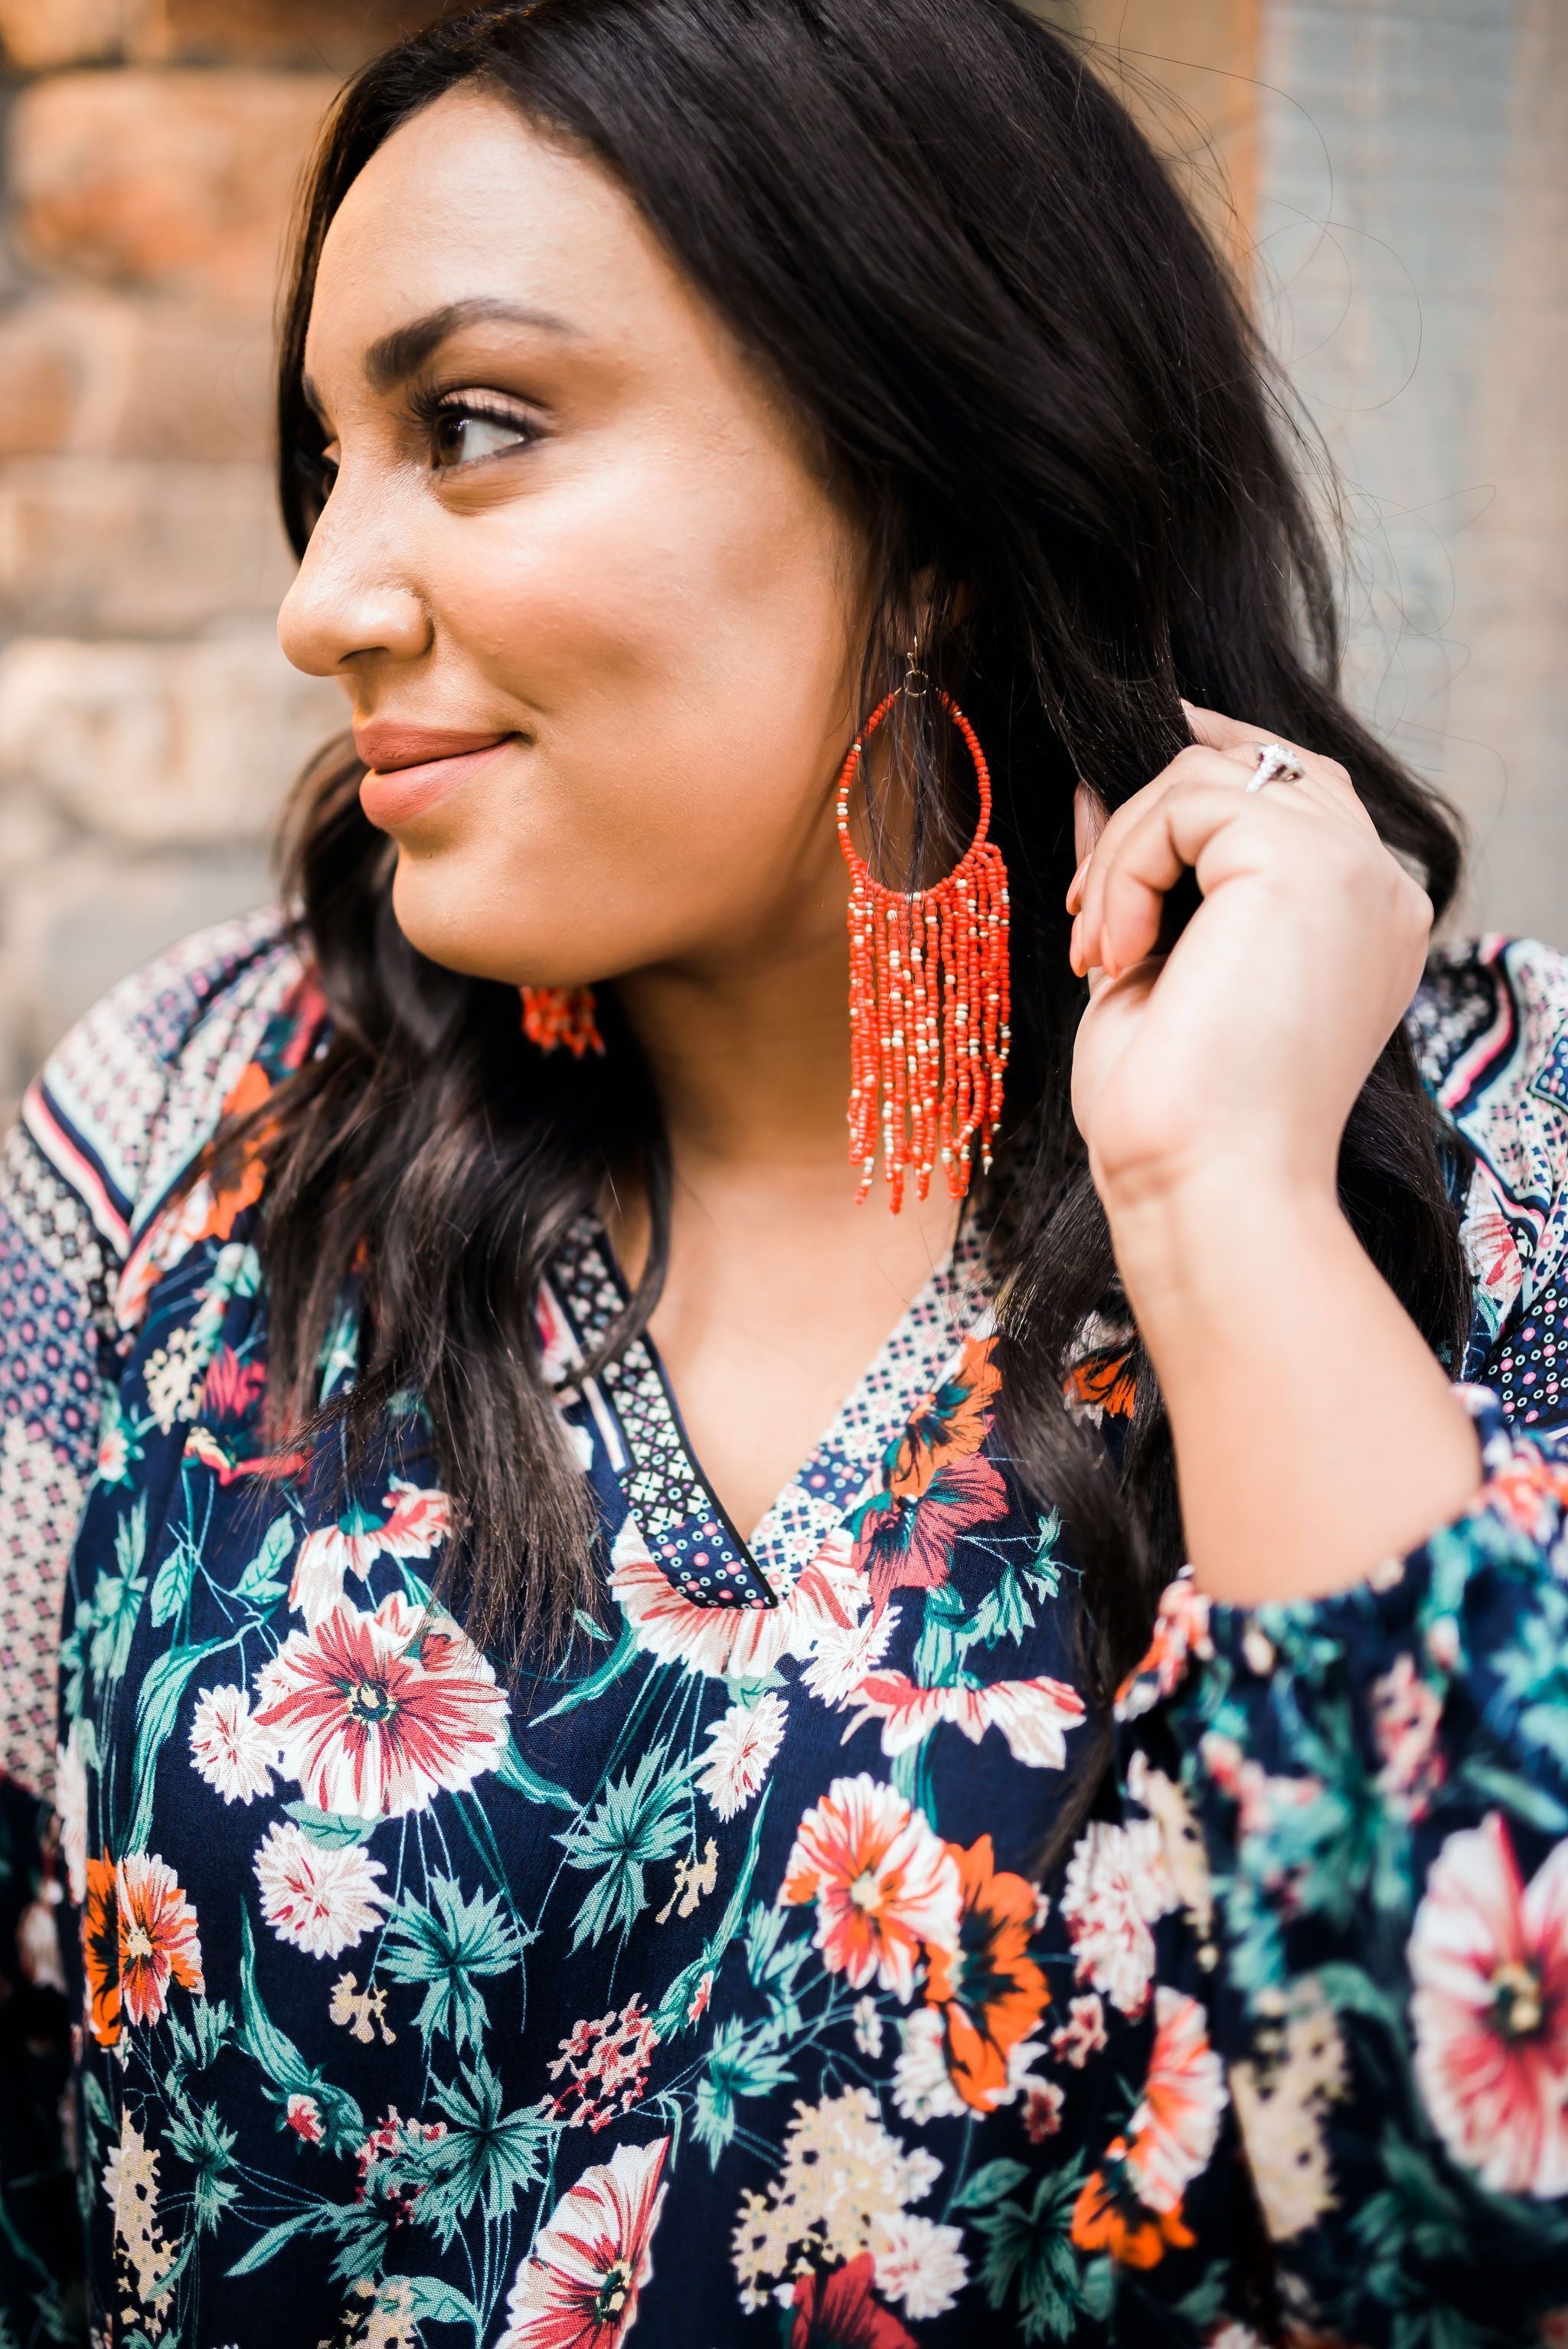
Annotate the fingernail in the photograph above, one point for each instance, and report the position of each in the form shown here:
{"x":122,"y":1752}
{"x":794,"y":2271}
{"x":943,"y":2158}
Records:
{"x":1073,"y":946}
{"x":1075,"y":887}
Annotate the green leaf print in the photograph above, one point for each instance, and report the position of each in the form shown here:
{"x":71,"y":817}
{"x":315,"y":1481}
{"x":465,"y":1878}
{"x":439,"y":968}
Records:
{"x":486,"y":2158}
{"x":202,"y":2139}
{"x":284,"y":2067}
{"x":514,"y":1772}
{"x":331,"y":1829}
{"x":261,"y":1581}
{"x":157,"y":1702}
{"x":451,"y":1947}
{"x":633,"y":1825}
{"x":117,"y":1601}
{"x":740,"y":2065}
{"x":1030,"y":2255}
{"x":172,"y":1583}
{"x":989,"y":2185}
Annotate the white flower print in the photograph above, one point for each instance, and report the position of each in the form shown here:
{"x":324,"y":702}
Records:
{"x":919,"y":2262}
{"x":923,"y":2087}
{"x":744,"y":1742}
{"x":322,"y":1898}
{"x":235,"y":1757}
{"x":827,"y":1595}
{"x":868,"y":2026}
{"x":419,"y":1518}
{"x":1116,"y":1886}
{"x":174,"y":1373}
{"x":71,"y":1810}
{"x":846,"y":1653}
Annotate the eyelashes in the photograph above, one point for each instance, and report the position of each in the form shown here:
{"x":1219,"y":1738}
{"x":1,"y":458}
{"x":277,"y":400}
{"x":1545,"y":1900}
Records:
{"x":447,"y":420}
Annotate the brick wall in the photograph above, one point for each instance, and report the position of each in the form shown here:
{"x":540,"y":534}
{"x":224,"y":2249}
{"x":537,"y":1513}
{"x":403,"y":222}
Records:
{"x":148,"y":722}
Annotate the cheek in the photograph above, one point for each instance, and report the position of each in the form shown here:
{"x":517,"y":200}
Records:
{"x":683,"y":665}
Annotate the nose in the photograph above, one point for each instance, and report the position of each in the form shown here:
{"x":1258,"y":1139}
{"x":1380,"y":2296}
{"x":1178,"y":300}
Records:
{"x":351,"y":596}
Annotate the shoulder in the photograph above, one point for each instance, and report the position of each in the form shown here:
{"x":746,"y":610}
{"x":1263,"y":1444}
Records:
{"x":137,"y":1087}
{"x":1490,"y":1026}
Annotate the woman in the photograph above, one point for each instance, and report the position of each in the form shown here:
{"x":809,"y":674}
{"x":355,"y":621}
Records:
{"x":532,"y":1857}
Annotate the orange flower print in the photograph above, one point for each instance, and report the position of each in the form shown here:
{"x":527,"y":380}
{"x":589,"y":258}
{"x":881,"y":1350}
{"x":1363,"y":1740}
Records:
{"x":101,"y":1950}
{"x":1177,"y":2123}
{"x":990,"y":1990}
{"x":158,"y":1940}
{"x":1103,"y":1383}
{"x":139,"y":1934}
{"x":887,"y":1888}
{"x":907,"y":1545}
{"x":948,"y":1423}
{"x":1109,"y":2216}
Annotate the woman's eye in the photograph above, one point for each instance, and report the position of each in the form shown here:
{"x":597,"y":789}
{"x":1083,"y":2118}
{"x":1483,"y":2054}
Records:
{"x":461,"y":434}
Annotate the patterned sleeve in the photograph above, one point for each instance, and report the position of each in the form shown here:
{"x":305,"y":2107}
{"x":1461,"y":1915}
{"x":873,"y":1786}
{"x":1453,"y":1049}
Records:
{"x":1365,"y":1798}
{"x":103,"y":1130}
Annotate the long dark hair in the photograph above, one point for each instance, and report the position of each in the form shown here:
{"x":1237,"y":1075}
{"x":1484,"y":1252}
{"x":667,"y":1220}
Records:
{"x":960,"y":258}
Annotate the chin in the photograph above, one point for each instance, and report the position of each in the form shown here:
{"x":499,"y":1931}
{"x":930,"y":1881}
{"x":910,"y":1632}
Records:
{"x":467,"y":925}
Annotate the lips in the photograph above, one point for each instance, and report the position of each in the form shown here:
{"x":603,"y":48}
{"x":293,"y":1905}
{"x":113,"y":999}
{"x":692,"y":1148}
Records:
{"x":412,"y":767}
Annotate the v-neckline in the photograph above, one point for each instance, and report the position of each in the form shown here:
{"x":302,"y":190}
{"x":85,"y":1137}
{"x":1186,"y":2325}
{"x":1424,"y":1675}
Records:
{"x":662,"y":1479}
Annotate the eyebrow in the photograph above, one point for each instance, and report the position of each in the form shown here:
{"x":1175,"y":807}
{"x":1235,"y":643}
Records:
{"x":392,"y":359}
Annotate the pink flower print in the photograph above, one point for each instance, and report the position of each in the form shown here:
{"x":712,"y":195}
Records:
{"x":887,"y":1888}
{"x":1042,"y":2115}
{"x":421,"y":1519}
{"x":303,"y":2114}
{"x":1488,"y":1958}
{"x":232,"y":1388}
{"x":580,"y":2285}
{"x":1181,"y":1631}
{"x":607,"y":2064}
{"x":376,"y":1714}
{"x":907,"y":1544}
{"x":1406,"y":1710}
{"x":1082,"y":2034}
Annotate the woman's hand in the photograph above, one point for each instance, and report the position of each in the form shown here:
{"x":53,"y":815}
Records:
{"x":1245,"y":1046}
{"x":1315,"y":1433}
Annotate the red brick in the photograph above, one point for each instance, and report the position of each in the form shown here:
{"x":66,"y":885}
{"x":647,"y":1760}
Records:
{"x":100,"y":546}
{"x":42,"y":32}
{"x":177,"y":180}
{"x":117,"y":375}
{"x":333,"y":32}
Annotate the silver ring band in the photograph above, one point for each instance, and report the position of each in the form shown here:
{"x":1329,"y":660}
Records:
{"x":1277,"y":763}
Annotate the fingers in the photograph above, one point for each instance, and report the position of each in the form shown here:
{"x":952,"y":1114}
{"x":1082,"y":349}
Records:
{"x":1219,"y":733}
{"x":1225,"y":755}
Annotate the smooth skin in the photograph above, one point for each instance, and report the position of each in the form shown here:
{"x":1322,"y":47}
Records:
{"x":586,"y":521}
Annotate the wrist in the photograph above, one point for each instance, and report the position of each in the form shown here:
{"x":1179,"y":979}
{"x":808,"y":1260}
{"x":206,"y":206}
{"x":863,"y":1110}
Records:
{"x":1183,"y":1242}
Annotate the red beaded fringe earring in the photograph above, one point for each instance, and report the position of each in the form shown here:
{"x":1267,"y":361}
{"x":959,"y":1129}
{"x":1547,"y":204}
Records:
{"x":930,"y":997}
{"x":557,"y":1016}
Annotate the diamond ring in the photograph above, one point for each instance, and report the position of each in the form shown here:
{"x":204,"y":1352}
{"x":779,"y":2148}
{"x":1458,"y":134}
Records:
{"x":1277,"y":763}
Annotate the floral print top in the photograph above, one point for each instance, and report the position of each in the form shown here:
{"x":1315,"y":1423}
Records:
{"x":700,"y":1987}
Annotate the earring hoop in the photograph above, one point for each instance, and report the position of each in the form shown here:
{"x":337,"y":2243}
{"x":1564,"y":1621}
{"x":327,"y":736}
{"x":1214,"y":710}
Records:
{"x":930,"y":995}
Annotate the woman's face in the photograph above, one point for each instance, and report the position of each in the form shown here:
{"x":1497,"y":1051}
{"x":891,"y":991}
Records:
{"x":571,"y":521}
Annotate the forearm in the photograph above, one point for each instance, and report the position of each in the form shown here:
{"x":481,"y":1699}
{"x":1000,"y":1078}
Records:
{"x":1315,"y":1433}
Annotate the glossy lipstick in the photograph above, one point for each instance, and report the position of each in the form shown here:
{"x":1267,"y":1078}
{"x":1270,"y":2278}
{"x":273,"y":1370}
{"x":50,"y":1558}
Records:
{"x":413,"y":767}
